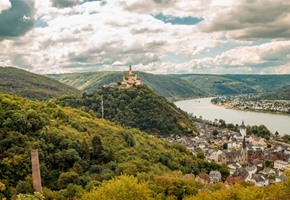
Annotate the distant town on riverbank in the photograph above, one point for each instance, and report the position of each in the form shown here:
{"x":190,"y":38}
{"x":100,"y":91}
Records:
{"x":245,"y":102}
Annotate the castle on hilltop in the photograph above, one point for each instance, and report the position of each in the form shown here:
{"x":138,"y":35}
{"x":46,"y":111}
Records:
{"x":129,"y":80}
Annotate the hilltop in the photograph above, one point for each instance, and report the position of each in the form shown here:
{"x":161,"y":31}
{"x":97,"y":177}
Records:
{"x":33,"y":86}
{"x":169,"y":86}
{"x":78,"y":151}
{"x":174,"y":87}
{"x":137,"y":107}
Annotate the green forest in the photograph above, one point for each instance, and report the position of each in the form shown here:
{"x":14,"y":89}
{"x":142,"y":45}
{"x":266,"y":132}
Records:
{"x":78,"y":152}
{"x":135,"y":107}
{"x":83,"y":156}
{"x":32,"y":86}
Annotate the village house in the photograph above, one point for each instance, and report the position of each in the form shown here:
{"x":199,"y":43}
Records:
{"x":260,"y":180}
{"x":215,"y":176}
{"x":233,"y":167}
{"x":252,"y":170}
{"x":256,"y":141}
{"x":254,"y":154}
{"x":214,"y":156}
{"x":243,"y":173}
{"x":280,"y":164}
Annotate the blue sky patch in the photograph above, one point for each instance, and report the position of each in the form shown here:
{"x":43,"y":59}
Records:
{"x":178,"y":20}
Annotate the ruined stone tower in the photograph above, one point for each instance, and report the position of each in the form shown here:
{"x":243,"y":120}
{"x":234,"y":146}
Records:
{"x":36,"y":178}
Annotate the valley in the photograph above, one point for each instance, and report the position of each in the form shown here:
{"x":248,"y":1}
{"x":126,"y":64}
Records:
{"x":121,"y":133}
{"x":175,"y":87}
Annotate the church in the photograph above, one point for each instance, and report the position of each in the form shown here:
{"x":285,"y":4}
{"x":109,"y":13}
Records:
{"x":240,"y":156}
{"x":129,"y":80}
{"x":243,"y":132}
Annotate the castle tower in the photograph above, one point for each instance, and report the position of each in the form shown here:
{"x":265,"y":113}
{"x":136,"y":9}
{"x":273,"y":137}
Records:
{"x":243,"y":129}
{"x":36,"y":178}
{"x":130,"y":70}
{"x":131,"y":79}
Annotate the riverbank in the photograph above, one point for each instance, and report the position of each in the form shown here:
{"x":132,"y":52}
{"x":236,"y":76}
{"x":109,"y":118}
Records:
{"x":225,"y":106}
{"x":203,"y":108}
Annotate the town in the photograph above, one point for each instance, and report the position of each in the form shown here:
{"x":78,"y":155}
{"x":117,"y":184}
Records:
{"x":249,"y":158}
{"x":253,"y":104}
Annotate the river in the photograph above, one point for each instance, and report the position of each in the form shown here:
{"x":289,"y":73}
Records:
{"x":203,"y":107}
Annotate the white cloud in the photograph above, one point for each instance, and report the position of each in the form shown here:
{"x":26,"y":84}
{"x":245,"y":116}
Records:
{"x":4,"y":5}
{"x":251,"y":20}
{"x":93,"y":36}
{"x":283,"y":69}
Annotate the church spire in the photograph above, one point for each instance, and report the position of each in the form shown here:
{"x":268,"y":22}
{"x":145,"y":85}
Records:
{"x":244,"y":143}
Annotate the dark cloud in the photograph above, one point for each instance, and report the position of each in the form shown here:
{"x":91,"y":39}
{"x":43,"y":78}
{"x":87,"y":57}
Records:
{"x":148,"y":6}
{"x":17,"y":20}
{"x":64,"y":3}
{"x":70,"y":3}
{"x":163,"y":1}
{"x":252,"y":20}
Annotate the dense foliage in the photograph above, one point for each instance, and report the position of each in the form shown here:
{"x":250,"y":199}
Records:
{"x":244,"y":191}
{"x":281,"y":95}
{"x":183,"y":86}
{"x":260,"y":131}
{"x":185,"y":187}
{"x":135,"y":107}
{"x":33,"y":86}
{"x":78,"y":151}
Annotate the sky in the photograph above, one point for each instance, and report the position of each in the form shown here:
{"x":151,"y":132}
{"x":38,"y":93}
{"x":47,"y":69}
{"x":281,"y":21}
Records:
{"x":155,"y":36}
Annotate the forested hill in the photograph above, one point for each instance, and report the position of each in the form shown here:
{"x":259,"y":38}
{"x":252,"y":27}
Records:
{"x":33,"y":86}
{"x":181,"y":86}
{"x":77,"y":151}
{"x":284,"y":94}
{"x":137,"y":107}
{"x":169,"y":86}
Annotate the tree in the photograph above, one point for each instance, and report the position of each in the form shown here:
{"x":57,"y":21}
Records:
{"x":215,"y":132}
{"x":123,"y":187}
{"x":268,"y":163}
{"x":2,"y":186}
{"x":225,"y":146}
{"x":66,"y":178}
{"x":35,"y":196}
{"x":200,"y":155}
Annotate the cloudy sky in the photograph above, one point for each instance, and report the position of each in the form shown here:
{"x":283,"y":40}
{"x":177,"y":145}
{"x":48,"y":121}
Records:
{"x":156,"y":36}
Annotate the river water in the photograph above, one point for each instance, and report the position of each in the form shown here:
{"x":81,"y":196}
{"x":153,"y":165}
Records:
{"x":203,"y":107}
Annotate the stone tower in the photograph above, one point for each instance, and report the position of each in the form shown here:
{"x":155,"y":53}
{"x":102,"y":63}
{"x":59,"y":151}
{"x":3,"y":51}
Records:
{"x":36,"y":178}
{"x":130,"y":70}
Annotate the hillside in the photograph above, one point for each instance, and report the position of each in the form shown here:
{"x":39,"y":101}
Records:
{"x":135,"y":107}
{"x":218,"y":84}
{"x":78,"y":151}
{"x":33,"y":86}
{"x":174,"y":87}
{"x":171,"y":87}
{"x":284,"y":94}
